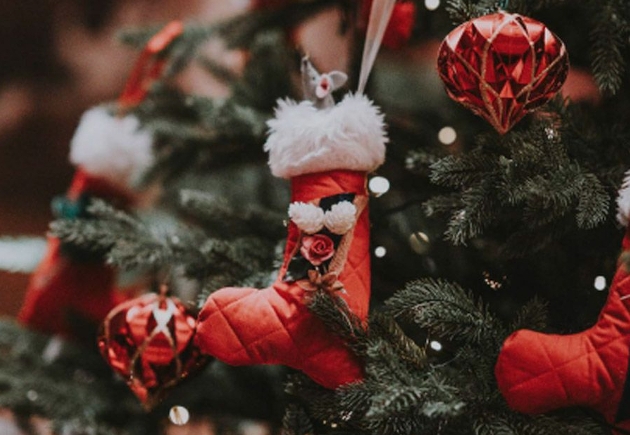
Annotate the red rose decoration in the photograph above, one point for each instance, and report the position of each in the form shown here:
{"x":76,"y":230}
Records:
{"x":317,"y":248}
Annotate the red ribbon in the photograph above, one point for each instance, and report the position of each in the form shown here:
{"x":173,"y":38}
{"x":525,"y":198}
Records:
{"x":149,"y":66}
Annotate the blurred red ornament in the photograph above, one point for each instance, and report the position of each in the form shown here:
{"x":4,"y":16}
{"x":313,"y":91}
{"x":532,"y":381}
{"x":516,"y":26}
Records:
{"x":149,"y":341}
{"x":401,"y":23}
{"x":398,"y":30}
{"x":502,"y":66}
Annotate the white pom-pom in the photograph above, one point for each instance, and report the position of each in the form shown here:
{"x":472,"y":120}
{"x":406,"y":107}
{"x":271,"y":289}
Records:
{"x":111,"y":147}
{"x":308,"y":217}
{"x":340,"y":218}
{"x":623,"y":201}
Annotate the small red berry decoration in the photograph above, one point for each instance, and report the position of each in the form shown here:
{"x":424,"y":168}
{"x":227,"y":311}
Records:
{"x":501,"y":66}
{"x":149,"y":341}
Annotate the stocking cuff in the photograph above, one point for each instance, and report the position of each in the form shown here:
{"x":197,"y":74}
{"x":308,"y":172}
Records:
{"x":110,"y":147}
{"x":623,"y":201}
{"x":305,"y":140}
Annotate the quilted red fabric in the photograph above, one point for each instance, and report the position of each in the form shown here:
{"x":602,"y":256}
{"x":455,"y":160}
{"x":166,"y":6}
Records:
{"x":243,"y":326}
{"x":61,"y":287}
{"x":537,"y":372}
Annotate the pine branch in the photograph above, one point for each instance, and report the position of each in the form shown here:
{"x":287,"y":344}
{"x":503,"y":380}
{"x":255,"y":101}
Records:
{"x":228,"y":121}
{"x":321,"y":404}
{"x":463,"y":170}
{"x":197,"y":132}
{"x":532,"y":240}
{"x":532,"y":315}
{"x":95,"y":234}
{"x":33,"y":367}
{"x":478,"y":212}
{"x":386,"y":328}
{"x":336,"y":314}
{"x":245,"y":253}
{"x":296,"y":421}
{"x":267,"y":76}
{"x":550,"y":425}
{"x":521,"y":183}
{"x":549,"y":198}
{"x":429,"y":398}
{"x":217,"y":70}
{"x":593,"y":202}
{"x":131,"y":244}
{"x":235,"y":262}
{"x":608,"y":42}
{"x":445,"y":309}
{"x":528,"y":7}
{"x":419,"y":161}
{"x":465,"y":10}
{"x":442,"y":204}
{"x":491,"y":425}
{"x":223,"y":218}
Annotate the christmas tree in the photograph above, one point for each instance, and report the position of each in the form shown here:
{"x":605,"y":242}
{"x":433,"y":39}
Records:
{"x":492,"y":255}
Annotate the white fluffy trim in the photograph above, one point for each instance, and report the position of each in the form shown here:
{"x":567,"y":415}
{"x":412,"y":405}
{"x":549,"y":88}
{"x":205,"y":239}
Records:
{"x":112,"y":148}
{"x":304,"y":140}
{"x":623,"y":201}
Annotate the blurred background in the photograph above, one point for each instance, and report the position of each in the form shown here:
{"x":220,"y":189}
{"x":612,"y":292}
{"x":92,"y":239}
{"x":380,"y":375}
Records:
{"x":59,"y":58}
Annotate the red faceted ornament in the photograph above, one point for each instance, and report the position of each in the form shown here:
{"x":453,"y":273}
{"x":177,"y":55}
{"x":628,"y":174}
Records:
{"x":502,"y":66}
{"x":149,"y":341}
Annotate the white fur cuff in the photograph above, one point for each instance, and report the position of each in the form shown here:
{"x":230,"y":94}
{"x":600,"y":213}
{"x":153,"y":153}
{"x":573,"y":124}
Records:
{"x":623,"y":201}
{"x":304,"y":140}
{"x":110,"y":147}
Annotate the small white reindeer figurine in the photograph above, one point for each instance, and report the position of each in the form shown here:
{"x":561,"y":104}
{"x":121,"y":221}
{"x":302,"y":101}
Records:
{"x":317,"y":87}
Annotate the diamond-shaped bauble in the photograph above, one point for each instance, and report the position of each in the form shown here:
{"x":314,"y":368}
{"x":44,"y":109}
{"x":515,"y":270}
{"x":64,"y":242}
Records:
{"x":149,"y":341}
{"x":502,"y":66}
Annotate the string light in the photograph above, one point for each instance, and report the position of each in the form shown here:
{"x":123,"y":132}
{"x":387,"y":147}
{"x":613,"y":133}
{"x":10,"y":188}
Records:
{"x":492,"y":283}
{"x":432,"y":4}
{"x":600,"y":283}
{"x":179,"y":415}
{"x":435,"y":345}
{"x":419,"y":242}
{"x":32,"y":395}
{"x":380,"y":252}
{"x":346,"y":415}
{"x":378,"y":185}
{"x":447,"y":135}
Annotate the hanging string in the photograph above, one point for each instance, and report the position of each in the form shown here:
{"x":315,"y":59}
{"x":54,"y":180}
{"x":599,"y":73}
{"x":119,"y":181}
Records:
{"x":380,"y":14}
{"x":503,"y":4}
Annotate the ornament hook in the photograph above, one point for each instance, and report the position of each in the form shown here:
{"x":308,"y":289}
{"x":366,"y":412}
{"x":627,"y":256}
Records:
{"x":380,"y":13}
{"x":149,"y":66}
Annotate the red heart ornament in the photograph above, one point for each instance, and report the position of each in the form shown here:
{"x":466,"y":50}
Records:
{"x":149,"y":341}
{"x":502,"y":66}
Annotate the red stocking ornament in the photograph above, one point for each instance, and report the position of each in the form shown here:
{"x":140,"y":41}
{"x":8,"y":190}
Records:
{"x":325,"y":150}
{"x":502,"y":66}
{"x":110,"y":153}
{"x":539,"y":373}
